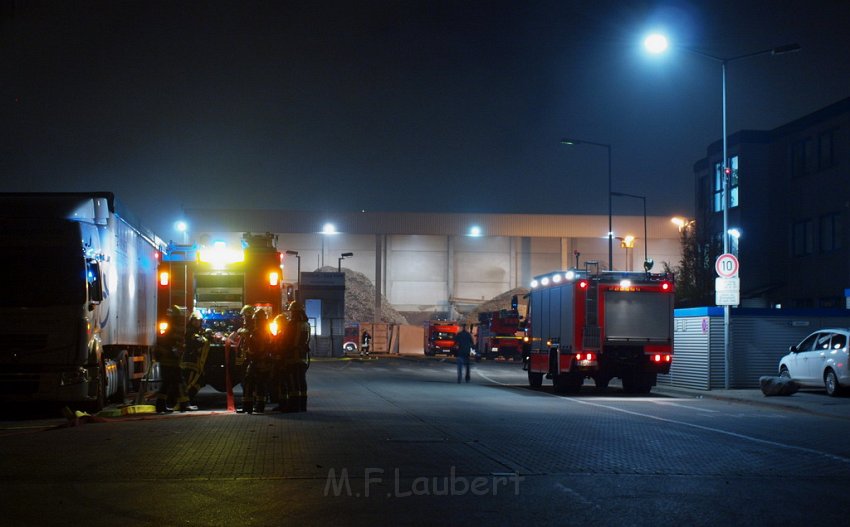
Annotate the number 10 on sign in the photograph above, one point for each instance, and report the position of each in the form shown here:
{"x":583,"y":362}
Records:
{"x":727,"y":266}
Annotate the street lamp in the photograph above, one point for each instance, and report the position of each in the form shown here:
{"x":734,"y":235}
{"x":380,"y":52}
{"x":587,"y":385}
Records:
{"x":628,"y":243}
{"x":183,"y":228}
{"x":645,"y":239}
{"x":341,"y":258}
{"x":656,"y":44}
{"x":298,"y":258}
{"x":610,"y":222}
{"x":681,"y":223}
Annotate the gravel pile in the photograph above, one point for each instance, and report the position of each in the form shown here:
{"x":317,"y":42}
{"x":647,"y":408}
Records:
{"x":502,"y":301}
{"x":360,"y":299}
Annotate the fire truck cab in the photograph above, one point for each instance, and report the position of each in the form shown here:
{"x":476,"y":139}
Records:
{"x":600,"y":326}
{"x":440,"y":337}
{"x":218,"y":281}
{"x":500,"y":333}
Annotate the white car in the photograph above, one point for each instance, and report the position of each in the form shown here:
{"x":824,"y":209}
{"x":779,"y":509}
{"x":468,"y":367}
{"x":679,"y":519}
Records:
{"x":821,"y":359}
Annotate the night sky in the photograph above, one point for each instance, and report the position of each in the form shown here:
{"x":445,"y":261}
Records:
{"x":453,"y":106}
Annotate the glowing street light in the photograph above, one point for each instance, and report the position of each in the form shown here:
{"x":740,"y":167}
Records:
{"x":681,"y":223}
{"x":656,"y":44}
{"x":183,"y":228}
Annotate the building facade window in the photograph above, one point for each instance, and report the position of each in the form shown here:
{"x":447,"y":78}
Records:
{"x":831,"y":302}
{"x":829,"y":229}
{"x":803,"y":159}
{"x":826,"y":149}
{"x":803,"y":238}
{"x":733,"y":185}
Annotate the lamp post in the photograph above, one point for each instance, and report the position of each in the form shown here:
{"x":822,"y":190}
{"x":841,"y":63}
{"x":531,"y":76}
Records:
{"x":610,"y":221}
{"x":645,"y":239}
{"x":628,"y":243}
{"x":183,"y":228}
{"x":656,"y":44}
{"x":342,"y":257}
{"x":298,"y":258}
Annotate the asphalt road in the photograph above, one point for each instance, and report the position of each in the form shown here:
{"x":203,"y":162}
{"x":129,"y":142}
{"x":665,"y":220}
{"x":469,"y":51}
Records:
{"x":394,"y":441}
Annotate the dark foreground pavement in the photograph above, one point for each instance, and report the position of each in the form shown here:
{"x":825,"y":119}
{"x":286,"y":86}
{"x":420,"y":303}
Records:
{"x":389,"y":441}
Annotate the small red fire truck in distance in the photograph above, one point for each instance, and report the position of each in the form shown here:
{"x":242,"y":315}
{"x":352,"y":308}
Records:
{"x":440,"y":337}
{"x":218,"y":281}
{"x":500,"y":334}
{"x":600,"y":326}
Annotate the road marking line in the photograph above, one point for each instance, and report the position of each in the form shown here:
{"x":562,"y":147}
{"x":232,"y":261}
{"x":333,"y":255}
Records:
{"x":678,"y":405}
{"x":477,"y":372}
{"x":712,"y":429}
{"x":575,"y":495}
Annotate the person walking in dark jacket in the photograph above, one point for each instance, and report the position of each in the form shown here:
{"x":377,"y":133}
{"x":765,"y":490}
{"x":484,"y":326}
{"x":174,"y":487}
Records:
{"x":464,"y":344}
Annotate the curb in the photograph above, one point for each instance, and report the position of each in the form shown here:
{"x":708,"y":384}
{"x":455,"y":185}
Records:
{"x":764,"y":401}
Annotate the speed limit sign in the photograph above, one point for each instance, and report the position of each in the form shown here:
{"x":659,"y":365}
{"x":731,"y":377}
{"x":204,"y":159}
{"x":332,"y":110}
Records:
{"x":727,"y":266}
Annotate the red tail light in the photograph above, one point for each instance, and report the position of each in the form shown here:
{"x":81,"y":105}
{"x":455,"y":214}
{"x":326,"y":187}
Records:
{"x":582,"y":284}
{"x":666,"y":286}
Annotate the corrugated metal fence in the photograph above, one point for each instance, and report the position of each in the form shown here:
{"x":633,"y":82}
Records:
{"x":758,"y":338}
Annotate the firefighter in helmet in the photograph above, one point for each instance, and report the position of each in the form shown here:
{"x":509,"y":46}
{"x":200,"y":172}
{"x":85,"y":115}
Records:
{"x":280,"y":383}
{"x":195,"y":350}
{"x":172,"y":391}
{"x":258,"y":365}
{"x":241,"y":340}
{"x":299,"y":328}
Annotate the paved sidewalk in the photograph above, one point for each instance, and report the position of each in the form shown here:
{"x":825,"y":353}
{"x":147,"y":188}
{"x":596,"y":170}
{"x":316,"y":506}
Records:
{"x":807,"y":400}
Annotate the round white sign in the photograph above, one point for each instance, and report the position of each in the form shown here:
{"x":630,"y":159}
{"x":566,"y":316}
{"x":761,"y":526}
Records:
{"x":727,"y":266}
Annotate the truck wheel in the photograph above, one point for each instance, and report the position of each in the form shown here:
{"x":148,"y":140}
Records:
{"x":122,"y":378}
{"x":568,"y":383}
{"x":99,"y":387}
{"x":535,"y":380}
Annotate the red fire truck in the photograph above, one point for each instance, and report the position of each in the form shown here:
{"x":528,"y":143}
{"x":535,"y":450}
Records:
{"x":440,"y":337}
{"x":499,"y":333}
{"x":218,"y":281}
{"x":600,"y":326}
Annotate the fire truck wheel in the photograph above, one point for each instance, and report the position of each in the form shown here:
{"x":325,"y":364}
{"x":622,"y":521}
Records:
{"x":637,"y":383}
{"x":568,"y":383}
{"x":601,"y":384}
{"x":535,"y":380}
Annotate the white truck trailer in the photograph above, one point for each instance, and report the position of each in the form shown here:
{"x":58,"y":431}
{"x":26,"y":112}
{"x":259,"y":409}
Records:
{"x":79,"y":309}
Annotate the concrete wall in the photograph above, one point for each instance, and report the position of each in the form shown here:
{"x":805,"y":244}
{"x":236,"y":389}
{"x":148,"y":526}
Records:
{"x":427,"y":273}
